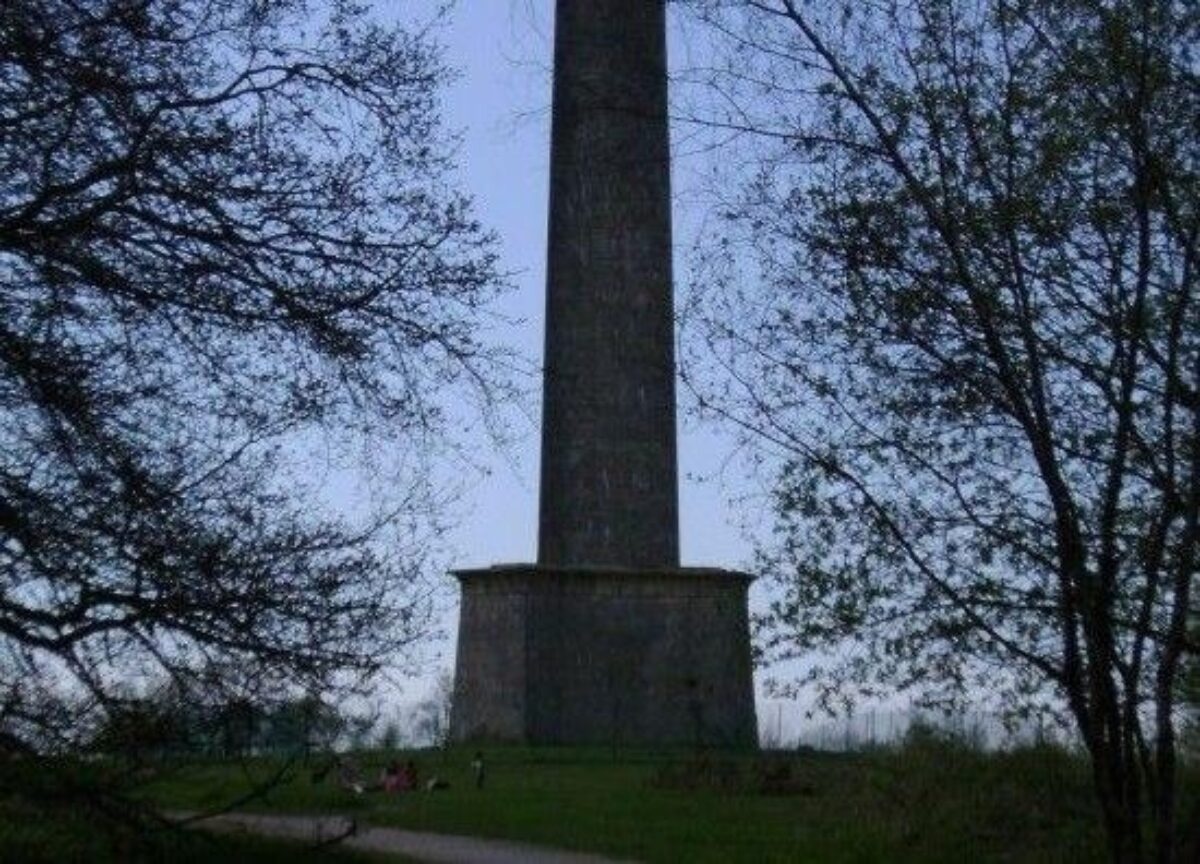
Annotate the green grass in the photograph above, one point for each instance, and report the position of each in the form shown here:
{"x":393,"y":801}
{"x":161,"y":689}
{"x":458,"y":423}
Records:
{"x":929,"y":802}
{"x":31,"y":835}
{"x":80,"y":810}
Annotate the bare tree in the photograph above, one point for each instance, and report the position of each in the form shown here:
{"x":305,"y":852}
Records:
{"x":958,"y":303}
{"x":226,"y":236}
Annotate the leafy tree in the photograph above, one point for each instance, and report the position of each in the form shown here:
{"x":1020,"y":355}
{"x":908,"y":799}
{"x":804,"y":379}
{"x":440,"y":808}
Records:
{"x":971,"y":345}
{"x":139,"y":729}
{"x":301,"y":726}
{"x":360,"y":728}
{"x":430,"y":721}
{"x":390,"y":737}
{"x":234,"y":726}
{"x":227,"y":241}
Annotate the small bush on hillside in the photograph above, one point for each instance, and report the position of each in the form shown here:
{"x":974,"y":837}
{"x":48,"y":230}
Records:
{"x":773,"y":774}
{"x":924,"y":734}
{"x":701,"y":772}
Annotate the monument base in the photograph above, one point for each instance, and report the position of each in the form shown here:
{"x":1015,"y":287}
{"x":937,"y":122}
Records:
{"x":604,"y":656}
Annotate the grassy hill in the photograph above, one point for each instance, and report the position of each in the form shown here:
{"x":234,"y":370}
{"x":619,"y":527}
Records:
{"x":929,"y":801}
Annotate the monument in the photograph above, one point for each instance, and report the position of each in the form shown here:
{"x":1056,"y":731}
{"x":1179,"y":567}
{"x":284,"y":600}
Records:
{"x":607,"y":639}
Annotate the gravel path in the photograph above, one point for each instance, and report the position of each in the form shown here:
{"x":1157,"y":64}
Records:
{"x":447,"y":848}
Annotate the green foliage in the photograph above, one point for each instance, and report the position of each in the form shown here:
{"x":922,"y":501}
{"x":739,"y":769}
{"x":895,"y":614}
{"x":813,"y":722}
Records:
{"x":957,"y":308}
{"x":35,"y":836}
{"x":140,"y":729}
{"x":229,"y":241}
{"x":164,"y":725}
{"x":79,"y":811}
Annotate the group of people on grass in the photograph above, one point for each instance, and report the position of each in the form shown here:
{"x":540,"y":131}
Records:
{"x":397,"y":778}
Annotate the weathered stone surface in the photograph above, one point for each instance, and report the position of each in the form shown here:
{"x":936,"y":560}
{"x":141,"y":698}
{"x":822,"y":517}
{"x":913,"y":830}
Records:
{"x":607,"y":640}
{"x":604,"y":656}
{"x":609,"y":485}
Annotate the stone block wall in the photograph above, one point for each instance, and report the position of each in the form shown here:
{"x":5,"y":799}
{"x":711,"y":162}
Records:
{"x":604,"y":656}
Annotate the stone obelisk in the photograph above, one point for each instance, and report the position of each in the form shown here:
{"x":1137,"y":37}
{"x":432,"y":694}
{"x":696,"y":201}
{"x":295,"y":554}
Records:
{"x":607,"y":640}
{"x":609,"y":487}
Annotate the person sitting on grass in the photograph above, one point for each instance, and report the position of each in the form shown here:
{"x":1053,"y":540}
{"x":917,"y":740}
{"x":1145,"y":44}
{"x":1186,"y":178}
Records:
{"x":393,"y":777}
{"x":408,"y":777}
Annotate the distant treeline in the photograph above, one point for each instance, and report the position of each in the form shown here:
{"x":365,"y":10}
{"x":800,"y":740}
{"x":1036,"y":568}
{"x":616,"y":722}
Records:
{"x":164,"y":726}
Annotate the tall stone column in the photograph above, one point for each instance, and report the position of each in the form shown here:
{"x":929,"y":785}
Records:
{"x":609,"y":480}
{"x":607,"y":640}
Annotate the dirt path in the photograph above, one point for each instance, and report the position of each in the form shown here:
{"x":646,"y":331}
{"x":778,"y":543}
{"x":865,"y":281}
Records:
{"x":447,"y":848}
